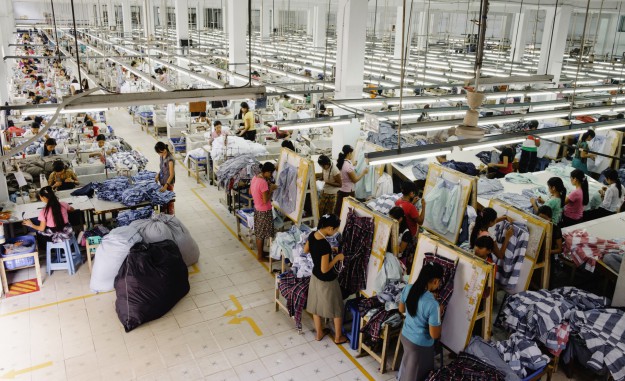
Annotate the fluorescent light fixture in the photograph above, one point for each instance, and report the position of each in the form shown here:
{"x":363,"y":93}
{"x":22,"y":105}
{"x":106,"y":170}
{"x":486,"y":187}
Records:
{"x":561,"y":134}
{"x":551,"y":106}
{"x":328,"y":123}
{"x":415,"y":156}
{"x":493,"y":144}
{"x":604,"y":128}
{"x":427,"y":129}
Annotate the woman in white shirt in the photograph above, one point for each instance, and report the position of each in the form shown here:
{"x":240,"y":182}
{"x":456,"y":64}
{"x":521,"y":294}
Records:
{"x":349,"y":178}
{"x":612,"y":195}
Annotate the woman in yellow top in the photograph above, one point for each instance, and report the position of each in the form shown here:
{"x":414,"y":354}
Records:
{"x":62,"y":178}
{"x":249,"y":124}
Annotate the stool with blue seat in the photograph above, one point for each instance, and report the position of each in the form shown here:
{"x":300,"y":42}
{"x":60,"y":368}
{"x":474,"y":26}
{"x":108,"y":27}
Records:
{"x":352,"y":307}
{"x":66,"y":254}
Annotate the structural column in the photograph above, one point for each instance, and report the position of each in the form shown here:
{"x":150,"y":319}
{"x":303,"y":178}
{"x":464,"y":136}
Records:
{"x":127,"y":19}
{"x":110,"y":11}
{"x":320,"y":24}
{"x":399,"y":25}
{"x":554,"y":41}
{"x":518,"y":37}
{"x":182,"y":22}
{"x":237,"y":30}
{"x":309,"y":22}
{"x":224,"y":16}
{"x":7,"y":27}
{"x":199,"y":15}
{"x":350,"y":64}
{"x":163,"y":14}
{"x":607,"y":29}
{"x":265,"y":20}
{"x":422,"y":30}
{"x":148,"y":18}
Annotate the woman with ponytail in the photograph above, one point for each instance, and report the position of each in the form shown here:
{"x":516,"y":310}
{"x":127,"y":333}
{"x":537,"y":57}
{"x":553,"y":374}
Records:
{"x":53,"y":218}
{"x":556,"y":202}
{"x":348,"y":177}
{"x":581,"y":152}
{"x":574,"y":203}
{"x":612,"y":196}
{"x":422,"y":323}
{"x":486,"y":220}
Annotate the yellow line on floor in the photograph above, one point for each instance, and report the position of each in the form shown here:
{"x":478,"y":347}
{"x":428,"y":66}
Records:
{"x":52,"y":304}
{"x":195,"y":270}
{"x":345,"y":352}
{"x":227,"y":227}
{"x":11,"y":374}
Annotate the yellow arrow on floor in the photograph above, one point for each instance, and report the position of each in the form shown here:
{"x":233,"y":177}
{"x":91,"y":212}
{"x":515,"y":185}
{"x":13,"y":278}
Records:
{"x":236,"y":303}
{"x":14,"y":373}
{"x":251,"y":322}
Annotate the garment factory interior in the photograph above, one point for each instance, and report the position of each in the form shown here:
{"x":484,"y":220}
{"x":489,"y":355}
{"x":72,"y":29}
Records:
{"x":312,"y":190}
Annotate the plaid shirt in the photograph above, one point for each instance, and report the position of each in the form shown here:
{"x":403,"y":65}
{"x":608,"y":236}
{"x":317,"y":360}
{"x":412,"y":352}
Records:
{"x":583,"y":249}
{"x":357,"y":243}
{"x":603,"y":331}
{"x":372,"y":329}
{"x":521,"y":354}
{"x":467,"y":367}
{"x":509,"y":268}
{"x":295,"y":291}
{"x":446,"y":288}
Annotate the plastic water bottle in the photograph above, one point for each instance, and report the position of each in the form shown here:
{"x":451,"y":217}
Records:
{"x":43,"y":181}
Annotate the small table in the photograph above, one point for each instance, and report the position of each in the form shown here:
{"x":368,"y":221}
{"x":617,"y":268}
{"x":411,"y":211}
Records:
{"x":3,"y":271}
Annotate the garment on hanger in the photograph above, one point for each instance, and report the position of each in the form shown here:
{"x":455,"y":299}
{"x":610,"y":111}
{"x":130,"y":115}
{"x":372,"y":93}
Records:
{"x":286,"y":194}
{"x":509,"y":268}
{"x":521,"y":354}
{"x":443,"y":213}
{"x":365,"y":188}
{"x":356,"y":246}
{"x":446,"y":288}
{"x":295,"y":291}
{"x":384,"y":185}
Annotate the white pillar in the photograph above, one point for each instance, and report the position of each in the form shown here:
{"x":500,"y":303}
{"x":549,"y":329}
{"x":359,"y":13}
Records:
{"x":127,"y":19}
{"x":309,"y":22}
{"x":265,"y":20}
{"x":398,"y":32}
{"x":518,"y":37}
{"x":422,"y":30}
{"x":182,"y":21}
{"x":320,"y":26}
{"x":554,"y":41}
{"x":607,"y":42}
{"x":350,"y":61}
{"x":434,"y":21}
{"x":224,"y":16}
{"x":7,"y":27}
{"x":148,"y":18}
{"x":199,"y":15}
{"x":237,"y":30}
{"x":110,"y":9}
{"x":163,"y":14}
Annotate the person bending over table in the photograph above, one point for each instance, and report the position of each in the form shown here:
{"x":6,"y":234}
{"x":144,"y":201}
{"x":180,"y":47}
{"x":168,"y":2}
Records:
{"x":62,"y":178}
{"x":501,"y":169}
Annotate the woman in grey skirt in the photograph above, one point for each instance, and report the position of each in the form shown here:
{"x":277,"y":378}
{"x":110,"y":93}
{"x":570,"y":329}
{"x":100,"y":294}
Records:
{"x":422,"y":324}
{"x":324,"y":293}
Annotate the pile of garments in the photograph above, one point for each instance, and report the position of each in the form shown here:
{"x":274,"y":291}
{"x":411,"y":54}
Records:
{"x":286,"y":242}
{"x":387,"y":136}
{"x":112,"y":189}
{"x":545,"y":315}
{"x":461,"y":166}
{"x":488,"y":157}
{"x":127,"y":216}
{"x":520,"y":201}
{"x":467,"y":367}
{"x":489,"y":188}
{"x":144,"y":176}
{"x":236,"y":146}
{"x":119,"y":189}
{"x":384,"y":203}
{"x":238,"y":169}
{"x":96,"y":231}
{"x":132,"y":160}
{"x":584,"y":249}
{"x":379,"y":311}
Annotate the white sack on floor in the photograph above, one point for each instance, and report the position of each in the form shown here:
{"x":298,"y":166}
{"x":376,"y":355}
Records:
{"x":160,"y":227}
{"x":110,"y":255}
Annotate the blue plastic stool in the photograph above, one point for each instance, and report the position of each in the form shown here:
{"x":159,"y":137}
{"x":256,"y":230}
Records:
{"x":67,"y":255}
{"x":354,"y":334}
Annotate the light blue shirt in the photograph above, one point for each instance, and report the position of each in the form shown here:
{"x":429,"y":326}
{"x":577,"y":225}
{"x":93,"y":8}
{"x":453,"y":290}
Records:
{"x":417,"y":328}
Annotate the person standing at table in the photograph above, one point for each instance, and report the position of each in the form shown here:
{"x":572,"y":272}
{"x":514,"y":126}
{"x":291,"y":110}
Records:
{"x":349,"y":178}
{"x":576,"y":200}
{"x":331,"y":177}
{"x":261,"y":191}
{"x":406,"y":202}
{"x":529,"y":150}
{"x":166,"y":175}
{"x":249,"y":123}
{"x":581,"y":152}
{"x":422,"y":323}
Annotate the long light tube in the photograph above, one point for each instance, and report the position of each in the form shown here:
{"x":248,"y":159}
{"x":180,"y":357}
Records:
{"x":493,"y":144}
{"x":303,"y":126}
{"x":415,"y":156}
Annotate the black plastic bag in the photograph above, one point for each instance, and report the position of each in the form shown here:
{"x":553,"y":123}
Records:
{"x":152,"y":279}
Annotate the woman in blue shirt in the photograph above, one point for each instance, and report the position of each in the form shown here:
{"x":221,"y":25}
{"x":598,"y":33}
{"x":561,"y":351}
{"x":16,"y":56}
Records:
{"x":422,"y":324}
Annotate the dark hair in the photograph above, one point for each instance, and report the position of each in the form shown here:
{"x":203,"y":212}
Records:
{"x":580,"y":176}
{"x":38,"y":119}
{"x":88,"y":123}
{"x":288,"y":144}
{"x":245,"y":105}
{"x":397,"y":213}
{"x":408,"y":187}
{"x":53,"y":205}
{"x":482,"y":222}
{"x":324,"y":160}
{"x":160,"y":147}
{"x":35,"y":125}
{"x":428,"y":273}
{"x":217,"y":123}
{"x":620,"y":116}
{"x":556,"y":182}
{"x":58,"y":166}
{"x":50,"y":142}
{"x":267,"y":167}
{"x":586,"y":134}
{"x":328,"y":220}
{"x":100,"y":138}
{"x":485,"y":242}
{"x":347,"y":149}
{"x":532,"y":124}
{"x":546,"y":210}
{"x":203,"y":114}
{"x":612,"y":174}
{"x":509,"y":152}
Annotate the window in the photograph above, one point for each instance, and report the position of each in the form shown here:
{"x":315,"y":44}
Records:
{"x":119,"y":21}
{"x":192,"y":18}
{"x":157,"y":16}
{"x":171,"y":16}
{"x":621,"y":24}
{"x":105,"y":14}
{"x":135,"y":15}
{"x":213,"y":18}
{"x":96,"y":14}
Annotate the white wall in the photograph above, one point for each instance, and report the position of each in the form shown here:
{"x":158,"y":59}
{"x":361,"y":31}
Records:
{"x":28,"y":11}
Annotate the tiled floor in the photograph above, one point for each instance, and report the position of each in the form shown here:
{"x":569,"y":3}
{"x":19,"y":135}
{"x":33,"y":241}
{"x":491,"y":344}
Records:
{"x":64,"y":332}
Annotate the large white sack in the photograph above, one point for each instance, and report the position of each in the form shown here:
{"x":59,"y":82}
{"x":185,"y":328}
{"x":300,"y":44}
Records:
{"x":160,"y":227}
{"x":110,"y":255}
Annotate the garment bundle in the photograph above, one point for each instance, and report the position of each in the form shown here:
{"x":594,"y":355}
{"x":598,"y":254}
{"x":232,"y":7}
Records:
{"x":467,"y":367}
{"x":384,"y":203}
{"x":238,"y":169}
{"x":584,"y":249}
{"x":488,"y":188}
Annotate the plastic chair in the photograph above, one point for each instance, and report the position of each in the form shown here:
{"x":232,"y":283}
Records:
{"x":67,"y":255}
{"x":352,"y":307}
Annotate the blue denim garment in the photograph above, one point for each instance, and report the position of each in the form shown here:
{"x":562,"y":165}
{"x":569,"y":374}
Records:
{"x":112,"y":189}
{"x":126,"y":217}
{"x":144,"y":176}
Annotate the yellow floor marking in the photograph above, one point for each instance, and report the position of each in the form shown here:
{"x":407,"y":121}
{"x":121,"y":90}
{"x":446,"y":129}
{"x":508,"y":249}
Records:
{"x":356,"y":363}
{"x":250,"y":321}
{"x":196,"y":269}
{"x":227,"y":227}
{"x":236,"y":303}
{"x":53,"y":304}
{"x":11,"y":374}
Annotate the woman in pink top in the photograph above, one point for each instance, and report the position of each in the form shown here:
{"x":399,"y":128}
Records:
{"x":53,"y":218}
{"x":217,"y":132}
{"x":348,"y":177}
{"x":261,"y":191}
{"x":574,"y":203}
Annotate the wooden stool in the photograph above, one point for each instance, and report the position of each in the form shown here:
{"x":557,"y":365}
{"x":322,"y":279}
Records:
{"x":386,"y":336}
{"x":3,"y":270}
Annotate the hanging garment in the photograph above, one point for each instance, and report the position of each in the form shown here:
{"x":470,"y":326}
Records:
{"x":383,"y":186}
{"x":521,"y":354}
{"x":509,"y":268}
{"x":356,"y":245}
{"x":286,"y":194}
{"x":446,"y":288}
{"x":467,"y":367}
{"x":603,"y":331}
{"x":295,"y":291}
{"x":392,"y":270}
{"x":443,"y":213}
{"x":239,"y":168}
{"x":384,"y":203}
{"x":584,"y":249}
{"x":365,"y":188}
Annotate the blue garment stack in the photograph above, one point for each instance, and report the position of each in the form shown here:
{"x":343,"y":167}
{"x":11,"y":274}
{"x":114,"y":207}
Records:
{"x":112,"y":189}
{"x":144,"y":176}
{"x":126,"y":217}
